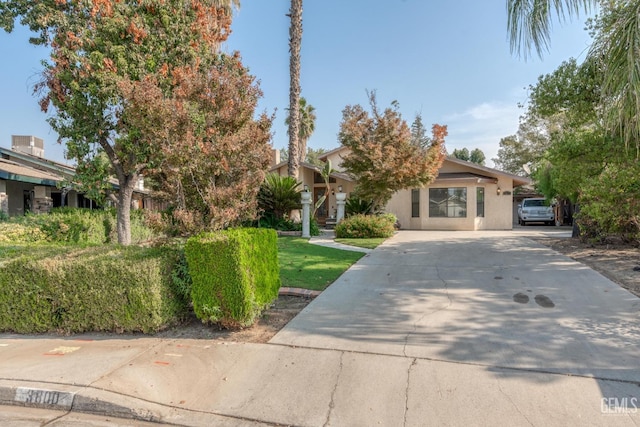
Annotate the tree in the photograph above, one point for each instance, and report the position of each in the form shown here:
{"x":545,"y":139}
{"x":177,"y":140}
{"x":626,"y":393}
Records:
{"x":513,"y":155}
{"x":307,"y":126}
{"x":313,"y":156}
{"x":104,"y":54}
{"x":383,"y":159}
{"x":214,"y":152}
{"x":615,"y":50}
{"x":419,"y":135}
{"x":284,"y":155}
{"x":529,"y":22}
{"x":462,"y":154}
{"x":475,"y":156}
{"x":295,"y":40}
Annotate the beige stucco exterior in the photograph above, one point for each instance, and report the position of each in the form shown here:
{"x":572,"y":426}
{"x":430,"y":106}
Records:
{"x":454,"y":173}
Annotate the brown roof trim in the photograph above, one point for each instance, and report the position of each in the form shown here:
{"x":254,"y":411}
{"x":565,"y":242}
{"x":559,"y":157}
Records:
{"x":340,"y":175}
{"x":517,"y":180}
{"x":466,"y":176}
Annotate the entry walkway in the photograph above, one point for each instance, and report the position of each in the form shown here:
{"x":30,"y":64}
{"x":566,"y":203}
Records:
{"x":326,"y":238}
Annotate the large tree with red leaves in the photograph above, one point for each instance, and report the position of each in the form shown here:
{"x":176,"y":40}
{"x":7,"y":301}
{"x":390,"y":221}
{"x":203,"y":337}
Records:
{"x":109,"y":59}
{"x":383,"y":158}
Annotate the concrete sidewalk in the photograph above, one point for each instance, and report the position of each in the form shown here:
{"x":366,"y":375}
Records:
{"x":426,"y":330}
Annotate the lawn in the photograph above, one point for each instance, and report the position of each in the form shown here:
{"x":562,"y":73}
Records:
{"x":362,"y":243}
{"x":303,"y":265}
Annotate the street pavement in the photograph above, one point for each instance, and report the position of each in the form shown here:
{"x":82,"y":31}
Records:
{"x":431,"y":328}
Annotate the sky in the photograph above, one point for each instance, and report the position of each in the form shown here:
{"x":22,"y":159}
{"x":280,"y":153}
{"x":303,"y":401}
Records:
{"x":446,"y":60}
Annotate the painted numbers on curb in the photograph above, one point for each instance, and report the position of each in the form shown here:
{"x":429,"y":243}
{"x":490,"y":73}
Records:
{"x":37,"y":396}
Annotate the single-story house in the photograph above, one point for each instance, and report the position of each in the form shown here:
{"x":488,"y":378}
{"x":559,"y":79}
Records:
{"x":31,"y":183}
{"x":464,"y":196}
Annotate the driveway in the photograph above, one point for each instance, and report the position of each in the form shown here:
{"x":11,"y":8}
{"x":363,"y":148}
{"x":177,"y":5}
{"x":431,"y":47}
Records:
{"x":486,"y":318}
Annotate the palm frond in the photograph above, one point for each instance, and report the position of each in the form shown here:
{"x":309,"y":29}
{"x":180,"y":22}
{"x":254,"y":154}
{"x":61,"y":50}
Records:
{"x":529,"y":22}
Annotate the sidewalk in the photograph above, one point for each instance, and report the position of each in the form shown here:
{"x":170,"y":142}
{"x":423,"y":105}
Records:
{"x":424,"y":331}
{"x":326,"y":238}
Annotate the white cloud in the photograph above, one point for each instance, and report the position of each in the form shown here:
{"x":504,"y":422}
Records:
{"x":482,"y":126}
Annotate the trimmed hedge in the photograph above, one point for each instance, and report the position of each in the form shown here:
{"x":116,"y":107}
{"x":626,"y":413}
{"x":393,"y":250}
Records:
{"x":366,"y":226}
{"x":109,"y":288}
{"x":235,"y":274}
{"x":73,"y":225}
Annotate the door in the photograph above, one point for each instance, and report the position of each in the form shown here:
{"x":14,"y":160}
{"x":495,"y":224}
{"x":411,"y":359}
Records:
{"x":321,"y":213}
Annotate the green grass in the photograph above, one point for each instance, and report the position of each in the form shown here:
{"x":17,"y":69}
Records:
{"x":303,"y":265}
{"x":362,"y":243}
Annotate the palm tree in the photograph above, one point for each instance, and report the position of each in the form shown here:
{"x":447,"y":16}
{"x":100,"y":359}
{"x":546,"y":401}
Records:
{"x":529,"y":21}
{"x":307,"y":126}
{"x":616,"y":50}
{"x":295,"y":40}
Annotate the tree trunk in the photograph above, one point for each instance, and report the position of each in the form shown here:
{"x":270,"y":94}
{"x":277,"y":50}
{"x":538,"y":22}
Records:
{"x":302,"y":151}
{"x":295,"y":40}
{"x":575,"y":230}
{"x":123,"y":223}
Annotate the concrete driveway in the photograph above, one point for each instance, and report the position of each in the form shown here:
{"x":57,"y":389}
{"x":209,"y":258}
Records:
{"x":488,"y":324}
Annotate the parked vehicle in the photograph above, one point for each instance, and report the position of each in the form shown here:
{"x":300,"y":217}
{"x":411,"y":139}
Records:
{"x":535,"y":210}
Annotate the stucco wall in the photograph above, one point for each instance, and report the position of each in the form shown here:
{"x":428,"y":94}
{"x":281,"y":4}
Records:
{"x":497,"y":208}
{"x":336,"y":159}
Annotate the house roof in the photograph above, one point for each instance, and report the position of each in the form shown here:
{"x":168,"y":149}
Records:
{"x":339,"y":175}
{"x":482,"y":171}
{"x":449,"y":176}
{"x":37,"y":170}
{"x":13,"y":171}
{"x":330,"y":152}
{"x":493,"y":173}
{"x":38,"y":162}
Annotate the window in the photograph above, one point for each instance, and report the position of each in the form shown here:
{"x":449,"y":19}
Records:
{"x":415,"y":203}
{"x":480,"y":202}
{"x":448,"y":202}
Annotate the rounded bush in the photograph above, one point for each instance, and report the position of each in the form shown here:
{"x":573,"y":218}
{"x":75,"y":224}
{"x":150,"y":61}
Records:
{"x":366,"y":226}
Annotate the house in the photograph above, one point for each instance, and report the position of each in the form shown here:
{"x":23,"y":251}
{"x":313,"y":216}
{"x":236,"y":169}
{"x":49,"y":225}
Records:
{"x":464,"y":196}
{"x":310,"y":176}
{"x":31,"y":183}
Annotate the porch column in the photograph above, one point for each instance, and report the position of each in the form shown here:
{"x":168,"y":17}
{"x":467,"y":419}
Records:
{"x":306,"y":217}
{"x":341,"y":201}
{"x":4,"y":199}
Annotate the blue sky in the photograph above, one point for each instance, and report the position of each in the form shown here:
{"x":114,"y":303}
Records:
{"x":450,"y":61}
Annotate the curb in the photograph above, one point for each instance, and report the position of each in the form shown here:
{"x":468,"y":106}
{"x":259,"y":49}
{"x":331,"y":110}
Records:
{"x":86,"y":400}
{"x":75,"y":398}
{"x":298,"y":292}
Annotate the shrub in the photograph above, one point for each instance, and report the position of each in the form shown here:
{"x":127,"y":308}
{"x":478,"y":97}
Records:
{"x":356,"y":205}
{"x":366,"y":226}
{"x":18,"y":233}
{"x":75,"y":225}
{"x":107,"y":288}
{"x":279,"y":195}
{"x":235,"y":274}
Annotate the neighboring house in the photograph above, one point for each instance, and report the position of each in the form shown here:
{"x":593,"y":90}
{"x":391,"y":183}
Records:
{"x":464,"y":196}
{"x":31,"y":183}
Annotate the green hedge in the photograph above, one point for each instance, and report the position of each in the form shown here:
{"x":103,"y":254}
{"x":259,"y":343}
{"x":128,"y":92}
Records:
{"x":235,"y":274}
{"x":117,"y":289}
{"x":366,"y":226}
{"x":73,"y":225}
